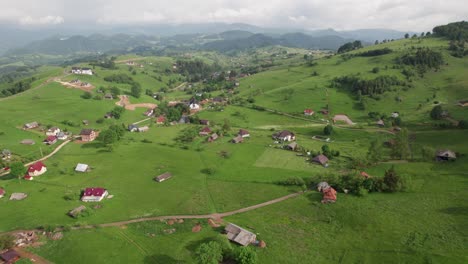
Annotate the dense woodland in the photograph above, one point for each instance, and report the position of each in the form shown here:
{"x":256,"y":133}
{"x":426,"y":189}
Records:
{"x":361,"y":86}
{"x":18,"y":87}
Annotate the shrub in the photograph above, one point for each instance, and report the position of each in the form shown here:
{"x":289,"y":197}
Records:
{"x":208,"y":171}
{"x":293,"y":181}
{"x":6,"y":242}
{"x":209,"y":253}
{"x":87,"y":95}
{"x":392,"y":181}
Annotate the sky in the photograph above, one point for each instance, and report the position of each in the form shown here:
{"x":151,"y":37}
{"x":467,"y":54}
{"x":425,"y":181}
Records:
{"x":414,"y":15}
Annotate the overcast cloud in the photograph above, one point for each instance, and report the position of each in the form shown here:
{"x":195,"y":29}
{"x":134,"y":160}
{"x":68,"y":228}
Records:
{"x":415,"y":15}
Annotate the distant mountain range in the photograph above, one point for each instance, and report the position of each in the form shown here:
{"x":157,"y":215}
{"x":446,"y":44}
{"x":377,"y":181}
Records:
{"x":217,"y":36}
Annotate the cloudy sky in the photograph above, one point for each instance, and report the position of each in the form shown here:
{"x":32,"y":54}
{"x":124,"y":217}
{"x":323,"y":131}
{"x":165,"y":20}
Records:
{"x":415,"y":15}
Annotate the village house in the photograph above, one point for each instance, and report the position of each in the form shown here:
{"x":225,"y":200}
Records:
{"x":30,"y":125}
{"x":237,"y":140}
{"x":62,"y":136}
{"x":213,"y":137}
{"x":395,"y":114}
{"x":149,"y":112}
{"x":292,"y":146}
{"x":108,"y":115}
{"x":53,"y":131}
{"x":18,"y":196}
{"x":160,"y":120}
{"x":6,"y":154}
{"x":204,"y":122}
{"x":218,"y":100}
{"x":308,"y":112}
{"x":82,"y":71}
{"x":28,"y":178}
{"x":37,"y":169}
{"x":324,"y":111}
{"x":184,"y":120}
{"x":284,"y":135}
{"x":445,"y":155}
{"x":321,"y":159}
{"x":88,"y":135}
{"x":194,"y":105}
{"x":50,"y":140}
{"x":239,"y":235}
{"x":85,"y":122}
{"x":28,"y":142}
{"x":94,"y":194}
{"x":205,"y":131}
{"x":132,"y":128}
{"x":380,"y":123}
{"x":143,"y":129}
{"x":2,"y":193}
{"x":243,"y":133}
{"x":80,"y":167}
{"x":163,"y":177}
{"x":10,"y":256}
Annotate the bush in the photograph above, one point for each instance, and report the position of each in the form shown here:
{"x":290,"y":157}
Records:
{"x":392,"y":181}
{"x":245,"y":255}
{"x":293,"y":181}
{"x":208,"y":171}
{"x":328,"y":130}
{"x":209,"y":253}
{"x":6,"y":242}
{"x":87,"y":95}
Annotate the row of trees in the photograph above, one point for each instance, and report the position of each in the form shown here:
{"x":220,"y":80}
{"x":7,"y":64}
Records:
{"x":135,"y":90}
{"x":195,"y":70}
{"x":18,"y":87}
{"x":350,"y":46}
{"x":216,"y":251}
{"x":357,"y":85}
{"x":424,"y":57}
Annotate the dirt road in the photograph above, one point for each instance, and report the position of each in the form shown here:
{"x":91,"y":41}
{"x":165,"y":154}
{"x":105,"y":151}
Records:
{"x":125,"y":102}
{"x":31,"y":256}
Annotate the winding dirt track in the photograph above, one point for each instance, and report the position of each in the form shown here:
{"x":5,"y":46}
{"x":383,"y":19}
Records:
{"x":125,"y":102}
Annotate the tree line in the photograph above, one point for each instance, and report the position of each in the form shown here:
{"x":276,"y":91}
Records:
{"x":18,"y":87}
{"x":350,"y":46}
{"x":423,"y":57}
{"x":357,"y":85}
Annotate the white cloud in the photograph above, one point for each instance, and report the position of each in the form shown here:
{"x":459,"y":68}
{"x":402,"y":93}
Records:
{"x":414,"y":15}
{"x":46,"y":20}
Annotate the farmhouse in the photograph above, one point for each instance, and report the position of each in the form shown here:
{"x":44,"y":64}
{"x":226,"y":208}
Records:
{"x":463,"y":103}
{"x":321,"y":159}
{"x":237,"y":140}
{"x":205,"y":131}
{"x":284,"y":135}
{"x":37,"y":169}
{"x":204,"y":122}
{"x":163,"y":177}
{"x":88,"y":135}
{"x":445,"y":155}
{"x":395,"y":115}
{"x":239,"y":235}
{"x":30,"y":125}
{"x":6,"y":154}
{"x":308,"y":112}
{"x":77,"y":211}
{"x":2,"y":193}
{"x":213,"y":137}
{"x":50,"y":140}
{"x":143,"y":129}
{"x":380,"y":123}
{"x":160,"y":120}
{"x":18,"y":196}
{"x":53,"y":131}
{"x":243,"y":133}
{"x":10,"y":256}
{"x":80,"y":167}
{"x":94,"y":194}
{"x":193,"y":104}
{"x":108,"y":96}
{"x":132,"y":128}
{"x":82,"y":71}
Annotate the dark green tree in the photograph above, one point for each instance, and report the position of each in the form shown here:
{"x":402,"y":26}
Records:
{"x":375,"y":151}
{"x":17,"y":169}
{"x":328,"y":130}
{"x":135,"y":90}
{"x":246,"y":255}
{"x":209,"y":253}
{"x":436,"y":112}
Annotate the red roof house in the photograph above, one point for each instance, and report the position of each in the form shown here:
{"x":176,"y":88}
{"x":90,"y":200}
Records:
{"x":28,"y":178}
{"x":243,"y":133}
{"x":37,"y":169}
{"x":94,"y":194}
{"x":160,"y":120}
{"x":10,"y":256}
{"x":365,"y":175}
{"x":50,"y":140}
{"x":308,"y":112}
{"x":2,"y":192}
{"x":205,"y":131}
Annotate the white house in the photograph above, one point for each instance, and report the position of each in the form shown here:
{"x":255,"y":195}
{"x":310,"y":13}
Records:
{"x":82,"y":71}
{"x":395,"y":114}
{"x":62,"y":136}
{"x":194,"y":106}
{"x":37,"y":169}
{"x":94,"y":194}
{"x":284,"y":135}
{"x":53,"y":131}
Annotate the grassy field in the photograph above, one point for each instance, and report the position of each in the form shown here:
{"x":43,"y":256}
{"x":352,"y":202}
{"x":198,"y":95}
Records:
{"x":426,"y":223}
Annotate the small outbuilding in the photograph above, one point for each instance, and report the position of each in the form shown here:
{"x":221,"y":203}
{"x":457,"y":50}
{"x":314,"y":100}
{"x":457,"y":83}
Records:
{"x":77,"y":211}
{"x":18,"y":196}
{"x":31,"y":125}
{"x":293,"y":146}
{"x":10,"y":256}
{"x":243,"y":133}
{"x":163,"y":177}
{"x":28,"y":142}
{"x":205,"y":131}
{"x":237,"y":140}
{"x":308,"y":112}
{"x":321,"y":159}
{"x":213,"y":137}
{"x":80,"y":167}
{"x":445,"y":155}
{"x":2,"y":193}
{"x":380,"y":123}
{"x":239,"y":235}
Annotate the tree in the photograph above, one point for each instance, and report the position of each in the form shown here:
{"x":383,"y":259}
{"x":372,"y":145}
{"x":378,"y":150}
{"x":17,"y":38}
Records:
{"x":376,"y":42}
{"x":406,"y":35}
{"x":135,"y":90}
{"x":401,"y":147}
{"x":108,"y":136}
{"x":17,"y":169}
{"x":436,"y":112}
{"x":328,"y":130}
{"x":209,"y":253}
{"x":87,"y":95}
{"x":117,"y":112}
{"x":226,"y":126}
{"x":6,"y":242}
{"x":392,"y":181}
{"x":427,"y":153}
{"x":375,"y":151}
{"x":463,"y":124}
{"x":115,"y":91}
{"x":246,"y":255}
{"x":375,"y":70}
